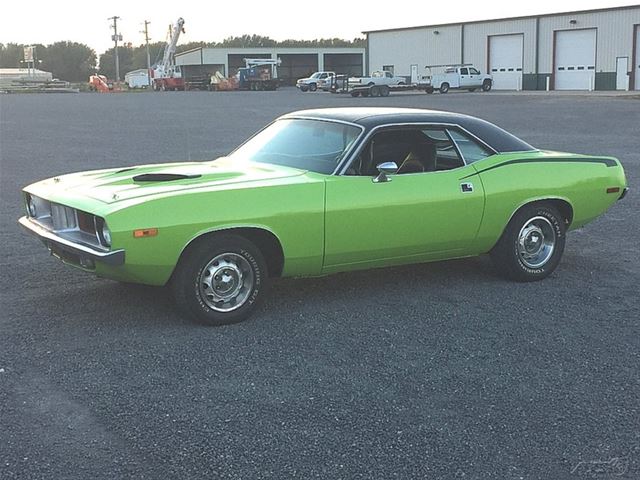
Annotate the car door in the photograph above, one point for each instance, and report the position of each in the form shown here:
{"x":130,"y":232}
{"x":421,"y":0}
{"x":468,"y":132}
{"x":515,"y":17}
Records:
{"x":475,"y":78}
{"x":418,"y":215}
{"x":465,"y":78}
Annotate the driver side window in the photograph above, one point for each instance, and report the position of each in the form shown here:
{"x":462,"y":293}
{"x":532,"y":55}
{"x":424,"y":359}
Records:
{"x":414,"y":150}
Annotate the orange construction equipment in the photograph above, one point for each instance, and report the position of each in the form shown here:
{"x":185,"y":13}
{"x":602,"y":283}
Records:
{"x":99,"y":83}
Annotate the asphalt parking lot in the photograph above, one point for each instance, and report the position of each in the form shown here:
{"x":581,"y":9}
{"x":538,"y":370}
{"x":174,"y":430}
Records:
{"x":429,"y":371}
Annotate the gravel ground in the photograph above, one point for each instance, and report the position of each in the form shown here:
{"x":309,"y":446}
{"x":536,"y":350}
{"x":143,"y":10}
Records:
{"x":428,"y":371}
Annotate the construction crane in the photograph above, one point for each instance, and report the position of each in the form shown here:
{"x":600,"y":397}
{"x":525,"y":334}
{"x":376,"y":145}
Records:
{"x":166,"y":75}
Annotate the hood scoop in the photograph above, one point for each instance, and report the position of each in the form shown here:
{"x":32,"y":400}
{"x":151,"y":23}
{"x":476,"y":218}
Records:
{"x":163,"y":177}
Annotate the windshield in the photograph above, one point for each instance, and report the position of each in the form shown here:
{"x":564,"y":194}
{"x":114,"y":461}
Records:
{"x":315,"y":75}
{"x":305,"y":144}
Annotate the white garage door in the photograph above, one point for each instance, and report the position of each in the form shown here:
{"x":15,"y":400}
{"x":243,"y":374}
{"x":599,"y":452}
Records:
{"x":636,"y":65}
{"x":575,"y":60}
{"x":505,"y":57}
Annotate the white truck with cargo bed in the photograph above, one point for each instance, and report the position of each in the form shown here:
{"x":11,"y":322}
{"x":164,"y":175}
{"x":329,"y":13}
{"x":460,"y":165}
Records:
{"x":457,"y":76}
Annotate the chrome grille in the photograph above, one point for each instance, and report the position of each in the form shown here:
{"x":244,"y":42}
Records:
{"x":70,"y":223}
{"x":64,"y":218}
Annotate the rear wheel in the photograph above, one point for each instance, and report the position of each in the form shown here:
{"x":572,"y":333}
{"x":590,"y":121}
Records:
{"x":471,"y":89}
{"x":444,"y":88}
{"x":355,"y":94}
{"x":384,"y":91}
{"x":220,"y":280}
{"x":374,"y":91}
{"x":486,"y":86}
{"x":532,"y":244}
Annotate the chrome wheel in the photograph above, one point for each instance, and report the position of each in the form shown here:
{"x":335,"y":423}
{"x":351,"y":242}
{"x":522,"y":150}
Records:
{"x":226,"y":282}
{"x":536,"y":242}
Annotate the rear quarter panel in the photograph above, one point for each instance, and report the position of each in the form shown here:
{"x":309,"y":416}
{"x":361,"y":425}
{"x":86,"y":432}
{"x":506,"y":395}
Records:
{"x":513,"y":180}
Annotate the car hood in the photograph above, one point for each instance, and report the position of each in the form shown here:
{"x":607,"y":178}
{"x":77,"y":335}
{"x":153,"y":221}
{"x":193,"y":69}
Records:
{"x":114,"y":185}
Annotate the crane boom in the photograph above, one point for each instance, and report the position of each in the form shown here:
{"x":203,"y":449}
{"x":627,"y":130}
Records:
{"x":166,"y":75}
{"x":170,"y":49}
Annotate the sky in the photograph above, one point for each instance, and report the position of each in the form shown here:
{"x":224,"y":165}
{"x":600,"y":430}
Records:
{"x":46,"y":21}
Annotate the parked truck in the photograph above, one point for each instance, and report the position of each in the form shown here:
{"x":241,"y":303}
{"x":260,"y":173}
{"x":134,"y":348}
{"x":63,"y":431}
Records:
{"x":315,"y":81}
{"x":257,"y":74}
{"x":166,"y":74}
{"x":462,"y":76}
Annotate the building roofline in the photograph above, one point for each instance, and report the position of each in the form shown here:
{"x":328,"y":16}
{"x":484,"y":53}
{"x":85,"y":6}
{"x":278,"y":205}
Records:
{"x":275,"y":49}
{"x":190,"y":51}
{"x":525,"y":17}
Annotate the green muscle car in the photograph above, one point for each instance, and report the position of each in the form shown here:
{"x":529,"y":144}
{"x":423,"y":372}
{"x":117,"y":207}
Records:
{"x":324,"y":191}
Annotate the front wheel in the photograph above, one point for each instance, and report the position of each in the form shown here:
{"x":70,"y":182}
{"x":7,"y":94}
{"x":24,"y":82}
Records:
{"x":304,"y":88}
{"x":532,"y":244}
{"x":313,"y":87}
{"x":220,"y":280}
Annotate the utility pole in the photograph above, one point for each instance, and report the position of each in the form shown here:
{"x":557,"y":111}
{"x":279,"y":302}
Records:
{"x":115,"y":37}
{"x":146,"y":41}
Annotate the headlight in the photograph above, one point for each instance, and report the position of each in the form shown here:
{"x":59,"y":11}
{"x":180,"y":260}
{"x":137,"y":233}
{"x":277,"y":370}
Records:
{"x":31,"y":207}
{"x":104,"y":233}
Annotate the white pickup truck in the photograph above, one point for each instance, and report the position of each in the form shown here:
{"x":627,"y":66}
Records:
{"x":378,"y":78}
{"x":318,"y":79}
{"x":464,"y":77}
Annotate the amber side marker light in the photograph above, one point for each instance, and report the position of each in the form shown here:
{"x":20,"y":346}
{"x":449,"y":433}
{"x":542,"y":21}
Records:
{"x":145,"y":232}
{"x":613,"y":189}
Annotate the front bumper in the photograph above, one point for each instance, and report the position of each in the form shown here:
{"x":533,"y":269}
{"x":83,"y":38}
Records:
{"x":66,"y":249}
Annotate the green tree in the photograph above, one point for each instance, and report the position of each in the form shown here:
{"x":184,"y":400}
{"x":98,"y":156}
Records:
{"x":125,"y":56}
{"x":11,"y":55}
{"x":69,"y":61}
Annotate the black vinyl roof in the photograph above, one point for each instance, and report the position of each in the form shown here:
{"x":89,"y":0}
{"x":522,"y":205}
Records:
{"x":494,"y":136}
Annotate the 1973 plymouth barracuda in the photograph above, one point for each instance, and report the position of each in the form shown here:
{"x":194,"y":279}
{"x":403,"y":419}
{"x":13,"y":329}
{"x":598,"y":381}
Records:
{"x":324,"y":191}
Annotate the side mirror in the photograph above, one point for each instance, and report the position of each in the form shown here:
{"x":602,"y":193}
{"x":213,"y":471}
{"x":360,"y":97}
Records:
{"x":386,"y":168}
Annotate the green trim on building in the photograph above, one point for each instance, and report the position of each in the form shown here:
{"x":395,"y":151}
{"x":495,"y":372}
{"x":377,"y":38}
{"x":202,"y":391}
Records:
{"x":605,"y":80}
{"x":535,"y":81}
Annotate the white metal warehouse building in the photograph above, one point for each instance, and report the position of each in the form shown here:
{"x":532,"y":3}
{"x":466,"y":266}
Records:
{"x":585,"y":50}
{"x":297,"y":62}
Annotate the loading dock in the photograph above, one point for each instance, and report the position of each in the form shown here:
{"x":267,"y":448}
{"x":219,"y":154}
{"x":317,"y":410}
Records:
{"x":505,"y":61}
{"x":575,"y":59}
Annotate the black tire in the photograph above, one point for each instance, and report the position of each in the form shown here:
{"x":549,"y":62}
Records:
{"x":304,"y":88}
{"x":486,"y":86}
{"x":471,"y":89}
{"x":196,"y":268}
{"x":374,"y":91}
{"x":313,"y":87}
{"x":384,"y":91}
{"x":428,"y":90}
{"x":355,"y":94}
{"x":444,"y":88}
{"x":511,"y":257}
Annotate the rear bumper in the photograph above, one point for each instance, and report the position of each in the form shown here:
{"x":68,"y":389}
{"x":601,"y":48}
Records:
{"x":67,"y":249}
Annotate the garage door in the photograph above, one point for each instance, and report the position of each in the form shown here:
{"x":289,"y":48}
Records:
{"x":575,"y":60}
{"x":636,"y":65}
{"x":505,"y":57}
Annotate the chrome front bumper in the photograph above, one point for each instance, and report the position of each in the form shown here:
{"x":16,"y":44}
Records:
{"x":57,"y":245}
